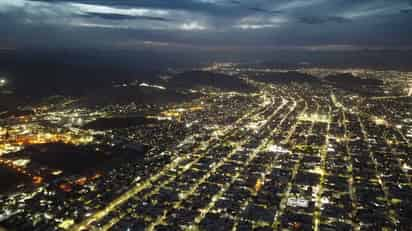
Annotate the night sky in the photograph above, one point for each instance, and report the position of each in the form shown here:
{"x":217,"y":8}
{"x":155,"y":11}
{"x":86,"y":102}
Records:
{"x":207,"y":24}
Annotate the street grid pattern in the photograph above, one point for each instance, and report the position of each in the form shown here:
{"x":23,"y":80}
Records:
{"x":206,"y":181}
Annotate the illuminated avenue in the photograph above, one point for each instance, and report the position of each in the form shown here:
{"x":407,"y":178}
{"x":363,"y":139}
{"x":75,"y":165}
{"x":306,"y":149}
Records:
{"x":297,"y":156}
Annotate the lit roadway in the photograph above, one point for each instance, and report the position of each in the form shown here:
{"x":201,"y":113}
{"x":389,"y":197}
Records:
{"x":349,"y":160}
{"x":323,"y":171}
{"x":269,"y":166}
{"x":295,"y":169}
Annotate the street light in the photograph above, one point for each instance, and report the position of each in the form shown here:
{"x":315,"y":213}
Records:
{"x":2,"y":82}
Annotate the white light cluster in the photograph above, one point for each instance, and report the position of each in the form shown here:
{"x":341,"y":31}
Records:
{"x":3,"y":82}
{"x":152,"y":86}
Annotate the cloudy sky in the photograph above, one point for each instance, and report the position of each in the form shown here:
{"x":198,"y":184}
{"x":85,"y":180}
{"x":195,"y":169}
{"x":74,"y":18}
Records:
{"x":206,"y":24}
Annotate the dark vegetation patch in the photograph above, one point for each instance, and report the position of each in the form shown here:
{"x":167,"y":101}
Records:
{"x":287,"y":78}
{"x":119,"y":122}
{"x":348,"y":82}
{"x":10,"y":178}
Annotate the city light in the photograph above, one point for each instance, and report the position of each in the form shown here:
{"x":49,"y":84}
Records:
{"x":283,"y":157}
{"x":3,"y":82}
{"x":314,"y":118}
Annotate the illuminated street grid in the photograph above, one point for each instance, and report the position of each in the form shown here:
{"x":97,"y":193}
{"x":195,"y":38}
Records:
{"x":294,"y":158}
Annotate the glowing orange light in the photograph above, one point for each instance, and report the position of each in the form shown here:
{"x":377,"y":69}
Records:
{"x":97,"y":175}
{"x":65,"y":187}
{"x":296,"y":226}
{"x":81,"y":181}
{"x":258,"y":185}
{"x":37,"y":180}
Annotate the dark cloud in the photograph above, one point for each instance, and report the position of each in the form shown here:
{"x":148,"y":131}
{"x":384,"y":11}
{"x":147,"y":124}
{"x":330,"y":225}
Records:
{"x":206,"y":22}
{"x":112,"y":16}
{"x":321,"y":20}
{"x":258,"y":9}
{"x":207,"y":7}
{"x":235,"y":2}
{"x":406,"y":11}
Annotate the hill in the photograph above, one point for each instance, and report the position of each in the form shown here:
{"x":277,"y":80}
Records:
{"x":205,"y":79}
{"x":287,"y":78}
{"x":348,"y":82}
